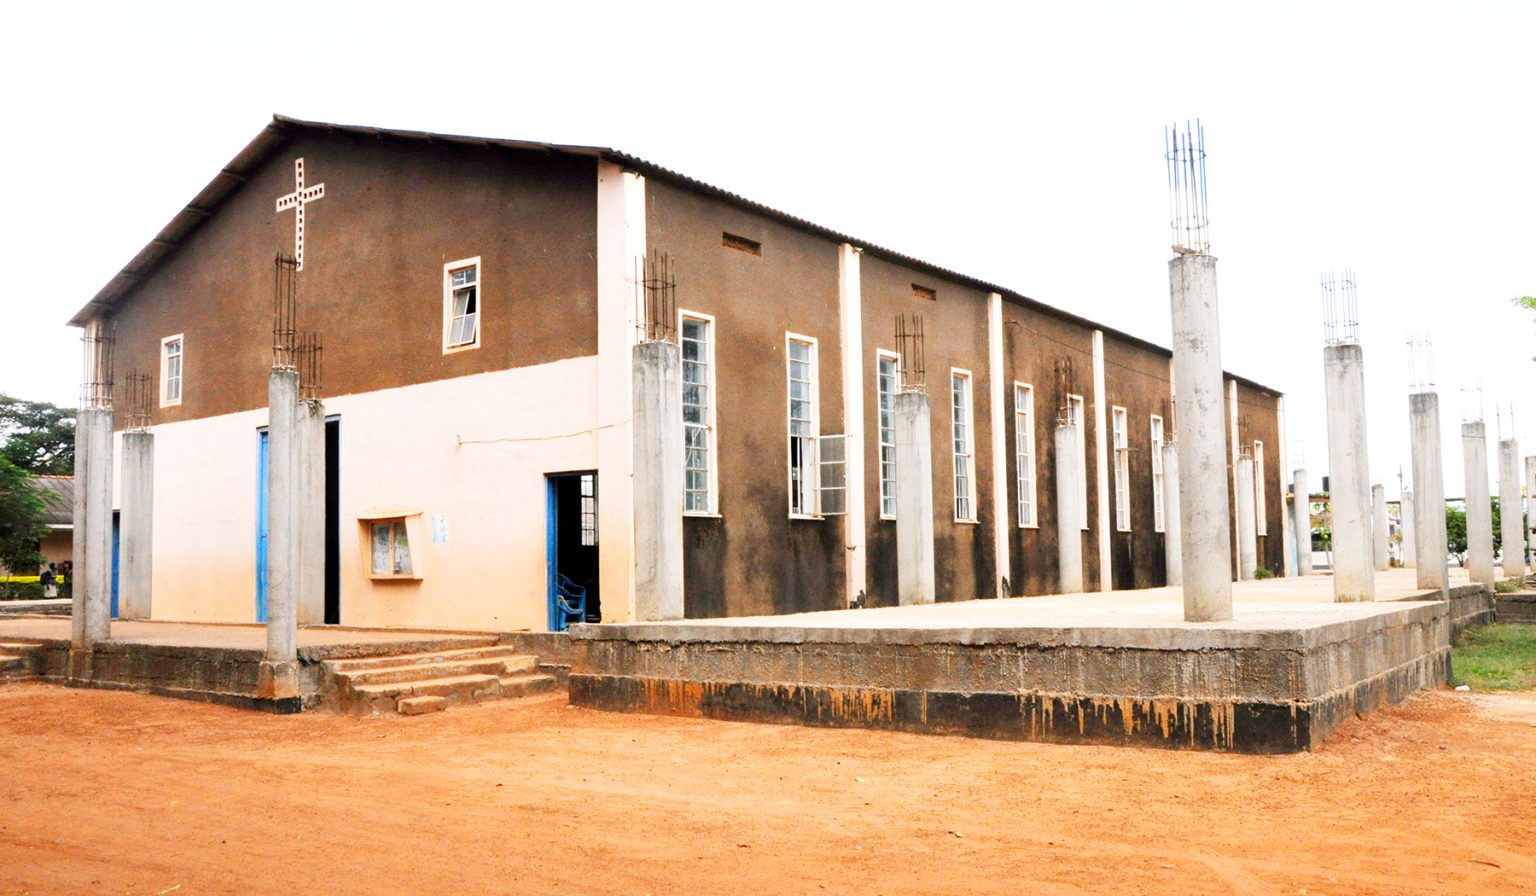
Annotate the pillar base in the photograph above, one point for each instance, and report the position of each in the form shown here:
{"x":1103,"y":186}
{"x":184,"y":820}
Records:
{"x":82,"y":665}
{"x":278,"y":681}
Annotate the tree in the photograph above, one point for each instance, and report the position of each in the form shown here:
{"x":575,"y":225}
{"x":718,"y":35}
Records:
{"x":1526,"y":302}
{"x":22,"y":523}
{"x":1456,"y":534}
{"x":39,"y":437}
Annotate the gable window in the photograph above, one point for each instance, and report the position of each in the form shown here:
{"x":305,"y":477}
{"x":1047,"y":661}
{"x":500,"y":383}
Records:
{"x":172,"y":356}
{"x":887,"y":374}
{"x":961,"y":425}
{"x":1159,"y":522}
{"x":1024,"y":450}
{"x":800,"y":353}
{"x":698,"y":413}
{"x":1075,"y":417}
{"x":461,"y":305}
{"x":1122,"y":470}
{"x":1262,"y":528}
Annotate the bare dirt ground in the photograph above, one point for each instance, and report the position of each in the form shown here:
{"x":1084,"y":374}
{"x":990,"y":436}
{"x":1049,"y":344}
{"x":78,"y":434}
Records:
{"x":104,"y":792}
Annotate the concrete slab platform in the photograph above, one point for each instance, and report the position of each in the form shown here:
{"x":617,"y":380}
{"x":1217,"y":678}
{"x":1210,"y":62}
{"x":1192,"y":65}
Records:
{"x":214,"y":663}
{"x":1120,"y":667}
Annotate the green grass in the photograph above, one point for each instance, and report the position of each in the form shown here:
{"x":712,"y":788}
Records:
{"x":1507,"y":586}
{"x":1496,"y":658}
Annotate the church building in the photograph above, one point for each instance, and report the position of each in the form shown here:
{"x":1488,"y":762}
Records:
{"x":557,"y":377}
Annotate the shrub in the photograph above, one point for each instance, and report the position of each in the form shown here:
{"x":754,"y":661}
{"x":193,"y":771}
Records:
{"x":1262,"y":573}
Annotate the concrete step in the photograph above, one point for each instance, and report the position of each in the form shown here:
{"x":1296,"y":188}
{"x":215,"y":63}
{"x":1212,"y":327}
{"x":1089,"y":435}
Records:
{"x":419,"y":706}
{"x":20,"y":659}
{"x":358,"y":664}
{"x":454,"y":689}
{"x":528,"y":684}
{"x":473,"y":665}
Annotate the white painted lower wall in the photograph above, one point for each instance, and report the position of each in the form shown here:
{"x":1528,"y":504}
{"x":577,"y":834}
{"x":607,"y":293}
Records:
{"x":401,"y":450}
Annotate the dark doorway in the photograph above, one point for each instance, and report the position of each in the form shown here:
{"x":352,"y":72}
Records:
{"x":333,"y":521}
{"x":572,"y":537}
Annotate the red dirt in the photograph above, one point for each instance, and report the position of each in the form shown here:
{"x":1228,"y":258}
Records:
{"x":107,"y":792}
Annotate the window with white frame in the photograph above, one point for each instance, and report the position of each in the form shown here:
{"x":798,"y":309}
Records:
{"x":698,"y":413}
{"x":1159,"y":523}
{"x":1258,"y":489}
{"x":887,"y":382}
{"x":800,"y":352}
{"x":961,"y":426}
{"x":1118,"y":424}
{"x":1024,"y":450}
{"x":1079,"y":423}
{"x":172,"y":359}
{"x":461,"y":304}
{"x":589,"y":509}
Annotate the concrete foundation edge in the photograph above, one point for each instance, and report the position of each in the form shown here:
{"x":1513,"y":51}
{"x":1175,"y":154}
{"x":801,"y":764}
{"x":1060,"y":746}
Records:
{"x":1236,"y":726}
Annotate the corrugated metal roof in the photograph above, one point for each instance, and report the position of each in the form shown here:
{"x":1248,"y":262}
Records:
{"x":282,"y":129}
{"x":58,"y":494}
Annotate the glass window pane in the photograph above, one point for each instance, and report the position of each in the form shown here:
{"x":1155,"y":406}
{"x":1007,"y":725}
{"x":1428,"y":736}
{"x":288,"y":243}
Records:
{"x":380,"y":549}
{"x":402,"y":551}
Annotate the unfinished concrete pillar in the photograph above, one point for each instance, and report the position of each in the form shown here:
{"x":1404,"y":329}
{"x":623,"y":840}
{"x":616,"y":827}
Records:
{"x":1069,"y":511}
{"x":1474,"y":457}
{"x":1429,"y":489}
{"x":1410,"y":545}
{"x":1379,"y":528}
{"x":658,"y":481}
{"x":1205,"y":518}
{"x":92,"y":588}
{"x":1173,"y":556}
{"x":137,"y":525}
{"x":1301,"y":509}
{"x":1511,"y":526}
{"x":1530,"y":499}
{"x":279,"y":668}
{"x":1348,"y":484}
{"x":914,"y":498}
{"x":310,"y":432}
{"x":1247,"y":521}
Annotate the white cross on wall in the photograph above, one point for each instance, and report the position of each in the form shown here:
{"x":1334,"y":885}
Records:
{"x":296,"y":200}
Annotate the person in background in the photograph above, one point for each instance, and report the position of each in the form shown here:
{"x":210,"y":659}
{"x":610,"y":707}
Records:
{"x":49,"y":579}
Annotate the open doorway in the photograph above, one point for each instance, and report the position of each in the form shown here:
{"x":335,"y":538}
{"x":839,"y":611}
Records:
{"x":332,"y":520}
{"x":572,"y":540}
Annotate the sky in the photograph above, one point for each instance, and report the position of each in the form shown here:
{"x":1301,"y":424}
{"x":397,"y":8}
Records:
{"x":1021,"y":143}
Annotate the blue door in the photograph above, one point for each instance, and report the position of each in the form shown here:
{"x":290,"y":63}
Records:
{"x":117,"y":543}
{"x":262,"y":460}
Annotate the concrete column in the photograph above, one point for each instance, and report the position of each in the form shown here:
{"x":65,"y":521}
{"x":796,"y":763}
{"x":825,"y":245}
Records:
{"x":279,"y":668}
{"x":1428,"y":489}
{"x":914,"y":498}
{"x":1173,"y":556}
{"x":621,"y":241}
{"x":1511,"y":526}
{"x":1301,"y":509}
{"x":80,"y":631}
{"x":1247,"y":521}
{"x":1348,"y":483}
{"x":1474,"y":456}
{"x":1530,"y":499}
{"x":995,"y":391}
{"x":658,"y":482}
{"x":1069,"y":511}
{"x":92,"y":604}
{"x":1234,"y":451}
{"x":137,"y":525}
{"x":851,"y":317}
{"x":1379,"y":527}
{"x":311,"y":511}
{"x":1102,"y":453}
{"x":1205,"y":522}
{"x":1410,"y":545}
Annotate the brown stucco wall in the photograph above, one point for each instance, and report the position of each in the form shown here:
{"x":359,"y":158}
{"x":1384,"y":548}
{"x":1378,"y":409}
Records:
{"x":1259,"y":411}
{"x":1136,"y":379}
{"x":955,"y":327}
{"x":1035,"y":342}
{"x":753,"y":558}
{"x":393,"y":214}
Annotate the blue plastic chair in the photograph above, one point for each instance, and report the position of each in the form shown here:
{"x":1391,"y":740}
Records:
{"x":571,"y":602}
